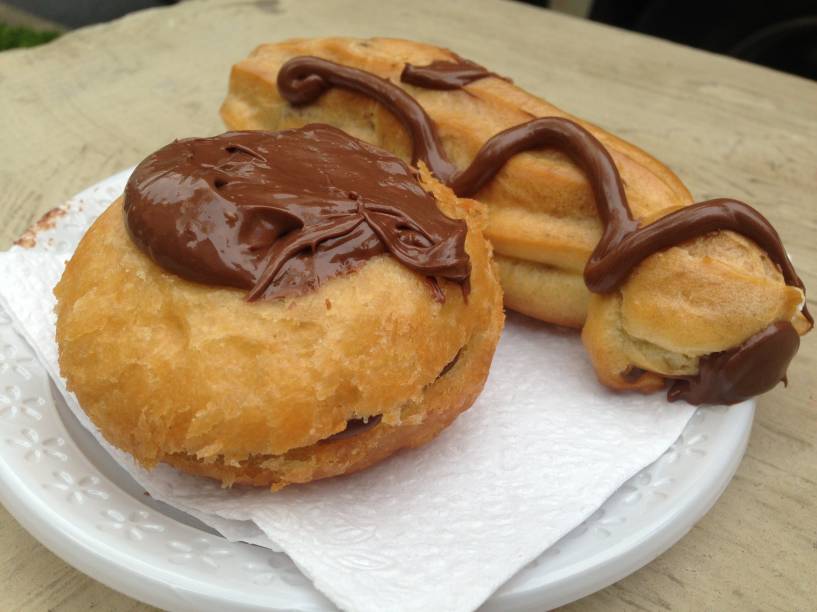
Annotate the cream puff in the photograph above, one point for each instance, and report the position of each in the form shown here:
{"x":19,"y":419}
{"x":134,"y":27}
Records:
{"x":273,"y":308}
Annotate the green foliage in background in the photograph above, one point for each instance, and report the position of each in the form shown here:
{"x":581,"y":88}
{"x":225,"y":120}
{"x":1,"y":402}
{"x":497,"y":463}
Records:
{"x":11,"y":37}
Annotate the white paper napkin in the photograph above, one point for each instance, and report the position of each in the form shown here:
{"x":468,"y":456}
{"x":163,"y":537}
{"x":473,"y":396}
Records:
{"x":436,"y":528}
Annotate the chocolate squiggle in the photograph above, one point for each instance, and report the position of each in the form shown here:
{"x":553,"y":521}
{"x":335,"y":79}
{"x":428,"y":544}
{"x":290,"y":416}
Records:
{"x":443,"y":74}
{"x":623,"y":244}
{"x":278,"y":213}
{"x":303,"y":80}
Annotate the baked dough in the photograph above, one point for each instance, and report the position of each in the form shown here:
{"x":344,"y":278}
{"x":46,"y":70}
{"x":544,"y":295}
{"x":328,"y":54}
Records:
{"x":252,"y":392}
{"x":701,"y":297}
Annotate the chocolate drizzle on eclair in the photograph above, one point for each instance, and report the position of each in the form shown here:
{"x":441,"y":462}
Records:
{"x":443,"y":74}
{"x":624,"y":244}
{"x":723,"y":377}
{"x":279,"y":213}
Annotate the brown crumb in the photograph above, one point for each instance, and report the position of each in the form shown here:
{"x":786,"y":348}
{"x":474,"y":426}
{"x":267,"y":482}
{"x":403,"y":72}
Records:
{"x":46,"y":222}
{"x":328,"y":304}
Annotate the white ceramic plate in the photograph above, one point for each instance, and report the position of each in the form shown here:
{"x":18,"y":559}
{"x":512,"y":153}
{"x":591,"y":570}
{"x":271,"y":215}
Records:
{"x":67,"y":491}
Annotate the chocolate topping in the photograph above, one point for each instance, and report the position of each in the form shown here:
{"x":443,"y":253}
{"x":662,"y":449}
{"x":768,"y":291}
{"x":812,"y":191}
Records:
{"x":442,"y":74}
{"x":280,"y":213}
{"x":735,"y":375}
{"x":623,"y":244}
{"x":302,"y":80}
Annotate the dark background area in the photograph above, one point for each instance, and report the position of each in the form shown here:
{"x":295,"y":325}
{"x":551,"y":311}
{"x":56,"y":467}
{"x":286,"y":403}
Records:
{"x":781,"y":34}
{"x":77,"y":13}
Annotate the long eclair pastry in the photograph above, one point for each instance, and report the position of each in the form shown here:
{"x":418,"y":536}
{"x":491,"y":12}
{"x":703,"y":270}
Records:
{"x":586,"y":228}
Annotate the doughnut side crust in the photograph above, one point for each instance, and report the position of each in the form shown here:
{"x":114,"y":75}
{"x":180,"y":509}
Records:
{"x":421,"y":419}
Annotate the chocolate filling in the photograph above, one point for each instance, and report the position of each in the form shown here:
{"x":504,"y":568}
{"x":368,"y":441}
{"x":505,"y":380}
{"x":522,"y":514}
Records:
{"x":358,"y":426}
{"x":633,"y":373}
{"x":354,"y":427}
{"x":279,"y":213}
{"x":624,"y":243}
{"x":450,"y":365}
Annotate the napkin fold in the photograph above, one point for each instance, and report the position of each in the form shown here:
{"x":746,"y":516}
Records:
{"x":436,"y":528}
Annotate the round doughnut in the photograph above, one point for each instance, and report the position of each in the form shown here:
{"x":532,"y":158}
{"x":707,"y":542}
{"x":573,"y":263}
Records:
{"x":273,"y":391}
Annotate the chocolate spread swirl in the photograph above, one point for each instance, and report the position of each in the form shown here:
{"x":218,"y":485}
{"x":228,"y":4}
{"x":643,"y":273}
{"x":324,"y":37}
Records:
{"x":624,"y":243}
{"x":445,"y":74}
{"x":302,"y":80}
{"x":279,"y":213}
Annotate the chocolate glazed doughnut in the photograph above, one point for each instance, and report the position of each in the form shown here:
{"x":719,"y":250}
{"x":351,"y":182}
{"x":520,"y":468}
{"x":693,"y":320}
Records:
{"x":727,"y":377}
{"x":256,"y":309}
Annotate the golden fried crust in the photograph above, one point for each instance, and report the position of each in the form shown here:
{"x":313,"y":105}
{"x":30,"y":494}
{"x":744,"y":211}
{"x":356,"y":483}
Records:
{"x":438,"y":406}
{"x":193,"y":374}
{"x":707,"y":295}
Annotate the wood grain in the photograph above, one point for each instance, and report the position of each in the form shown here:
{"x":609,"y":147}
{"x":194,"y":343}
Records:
{"x":101,"y":98}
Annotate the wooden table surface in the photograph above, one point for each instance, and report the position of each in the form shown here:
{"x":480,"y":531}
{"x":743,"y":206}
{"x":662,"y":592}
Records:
{"x":101,"y":98}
